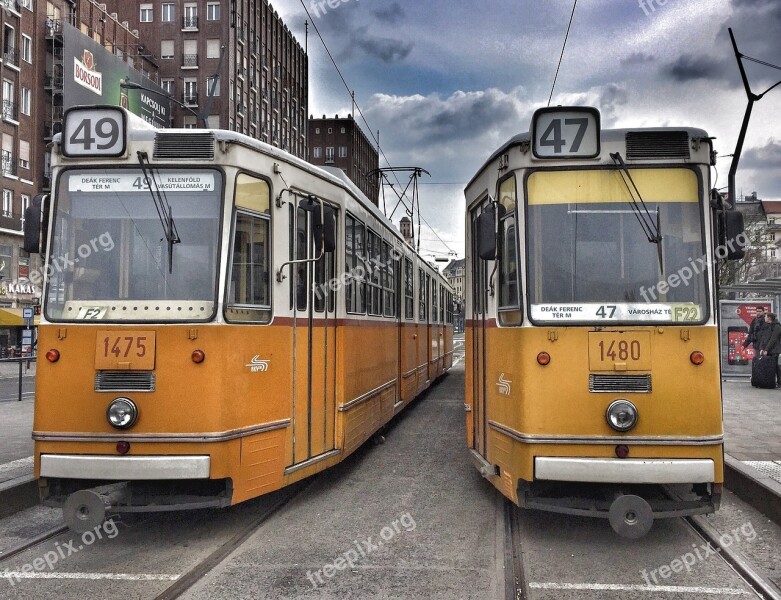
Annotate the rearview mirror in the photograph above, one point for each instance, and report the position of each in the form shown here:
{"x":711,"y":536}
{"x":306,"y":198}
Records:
{"x":486,"y":228}
{"x":36,"y":224}
{"x":323,"y":230}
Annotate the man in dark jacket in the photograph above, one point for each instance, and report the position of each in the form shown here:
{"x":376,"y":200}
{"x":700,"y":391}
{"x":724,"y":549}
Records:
{"x":757,"y":324}
{"x":770,"y":342}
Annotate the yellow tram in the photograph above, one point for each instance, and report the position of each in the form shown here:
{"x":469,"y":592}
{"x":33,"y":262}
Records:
{"x":592,"y":349}
{"x":220,"y":319}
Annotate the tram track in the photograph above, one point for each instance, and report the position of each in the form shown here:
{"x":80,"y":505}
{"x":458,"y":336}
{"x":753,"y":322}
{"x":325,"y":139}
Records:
{"x":185,"y":581}
{"x":745,"y":570}
{"x":514,"y":580}
{"x":32,"y":542}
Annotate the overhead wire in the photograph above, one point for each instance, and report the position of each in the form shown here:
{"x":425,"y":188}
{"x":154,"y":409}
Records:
{"x":561,"y":57}
{"x":363,"y":118}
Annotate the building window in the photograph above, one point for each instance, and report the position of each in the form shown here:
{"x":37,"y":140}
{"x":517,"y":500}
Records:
{"x":168,"y":12}
{"x":6,"y":252}
{"x":190,"y":91}
{"x":342,"y":151}
{"x":213,"y":49}
{"x":168,"y":86}
{"x":166,"y":48}
{"x":190,"y":122}
{"x":26,"y":101}
{"x":25,"y":206}
{"x":209,"y":81}
{"x":317,"y":131}
{"x":317,"y":152}
{"x":343,"y":130}
{"x":190,"y":58}
{"x":146,"y":13}
{"x":27,"y":49}
{"x":213,"y":11}
{"x":24,"y":154}
{"x":329,"y":154}
{"x":190,"y":16}
{"x":330,"y":130}
{"x":8,"y":200}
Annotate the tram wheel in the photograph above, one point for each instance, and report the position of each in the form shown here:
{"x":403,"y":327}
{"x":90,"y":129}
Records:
{"x":631,"y":516}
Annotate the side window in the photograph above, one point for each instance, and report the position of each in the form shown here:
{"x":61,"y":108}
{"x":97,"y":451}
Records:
{"x":376,"y":274}
{"x":325,"y":270}
{"x":508,"y":262}
{"x":421,"y":296}
{"x":442,"y":295}
{"x":434,"y":304}
{"x":249,"y":292}
{"x":301,"y":270}
{"x":409,"y":290}
{"x":355,"y":266}
{"x":390,"y":280}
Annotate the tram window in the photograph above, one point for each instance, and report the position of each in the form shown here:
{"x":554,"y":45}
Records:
{"x":301,"y":254}
{"x":442,"y":294}
{"x":376,"y":275}
{"x":429,"y":292}
{"x":434,"y":306}
{"x":250,"y":282}
{"x":409,"y":290}
{"x":421,"y":296}
{"x":389,"y":272}
{"x":355,"y":266}
{"x":508,"y":251}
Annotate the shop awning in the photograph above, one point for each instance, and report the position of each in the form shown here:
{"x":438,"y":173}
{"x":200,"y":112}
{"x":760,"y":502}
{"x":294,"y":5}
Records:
{"x":12,"y":317}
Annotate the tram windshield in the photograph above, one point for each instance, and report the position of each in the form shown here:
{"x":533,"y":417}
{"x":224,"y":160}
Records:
{"x":590,"y":260}
{"x":110,"y":257}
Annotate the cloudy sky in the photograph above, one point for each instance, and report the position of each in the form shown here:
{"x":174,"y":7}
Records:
{"x":447,"y":82}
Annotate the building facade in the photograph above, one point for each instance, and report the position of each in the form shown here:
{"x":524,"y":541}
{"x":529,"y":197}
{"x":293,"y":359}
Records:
{"x":339,"y":142}
{"x":261,"y":88}
{"x":455,"y":273}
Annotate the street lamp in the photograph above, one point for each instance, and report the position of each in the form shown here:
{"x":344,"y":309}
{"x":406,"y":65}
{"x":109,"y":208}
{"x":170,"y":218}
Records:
{"x":126,"y":84}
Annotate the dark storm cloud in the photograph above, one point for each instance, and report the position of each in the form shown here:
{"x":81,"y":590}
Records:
{"x":689,"y":68}
{"x":637,"y":58}
{"x":764,"y":157}
{"x":390,"y":15}
{"x":462,"y":117}
{"x":388,"y":50}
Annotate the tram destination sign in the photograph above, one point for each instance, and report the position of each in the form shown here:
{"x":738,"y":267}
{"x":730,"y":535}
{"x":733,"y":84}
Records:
{"x":562,"y":132}
{"x":634,"y":311}
{"x":178,"y":181}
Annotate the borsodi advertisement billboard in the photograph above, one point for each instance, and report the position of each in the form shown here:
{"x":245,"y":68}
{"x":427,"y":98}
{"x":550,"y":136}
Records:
{"x":92,"y":75}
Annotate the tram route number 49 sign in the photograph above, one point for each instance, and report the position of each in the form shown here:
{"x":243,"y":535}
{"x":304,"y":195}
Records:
{"x":562,"y":132}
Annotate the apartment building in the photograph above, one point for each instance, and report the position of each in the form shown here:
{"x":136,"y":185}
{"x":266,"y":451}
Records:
{"x":234,"y":65}
{"x":339,"y":142}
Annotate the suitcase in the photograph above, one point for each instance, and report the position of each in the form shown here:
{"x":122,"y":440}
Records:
{"x":763,"y":371}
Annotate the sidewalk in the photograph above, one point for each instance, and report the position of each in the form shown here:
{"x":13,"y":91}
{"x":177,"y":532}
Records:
{"x":10,"y":370}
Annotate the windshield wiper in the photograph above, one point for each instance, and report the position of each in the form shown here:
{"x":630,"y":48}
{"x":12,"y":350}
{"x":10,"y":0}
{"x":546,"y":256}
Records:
{"x":163,"y":208}
{"x":652,"y":229}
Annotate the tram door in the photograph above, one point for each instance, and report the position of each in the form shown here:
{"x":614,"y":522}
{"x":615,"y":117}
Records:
{"x":314,"y":381}
{"x":429,"y":349}
{"x":478,"y":317}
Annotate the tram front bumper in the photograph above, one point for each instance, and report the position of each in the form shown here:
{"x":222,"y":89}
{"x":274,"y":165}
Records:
{"x":119,"y":468}
{"x":627,"y":470}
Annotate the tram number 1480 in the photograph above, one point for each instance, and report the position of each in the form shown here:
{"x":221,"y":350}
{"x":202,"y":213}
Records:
{"x":619,"y":350}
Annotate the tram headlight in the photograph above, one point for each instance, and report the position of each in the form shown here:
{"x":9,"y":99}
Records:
{"x":122,"y":413}
{"x":621,"y":415}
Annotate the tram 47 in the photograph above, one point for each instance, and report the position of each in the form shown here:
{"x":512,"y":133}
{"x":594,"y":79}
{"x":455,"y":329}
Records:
{"x":592,"y":349}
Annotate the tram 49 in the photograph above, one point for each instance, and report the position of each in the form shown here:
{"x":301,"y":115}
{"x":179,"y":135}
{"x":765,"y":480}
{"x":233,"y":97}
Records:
{"x":220,"y":318}
{"x":592,"y":347}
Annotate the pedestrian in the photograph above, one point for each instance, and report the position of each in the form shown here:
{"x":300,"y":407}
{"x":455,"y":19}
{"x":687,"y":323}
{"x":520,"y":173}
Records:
{"x":757,"y":324}
{"x":770,"y":342}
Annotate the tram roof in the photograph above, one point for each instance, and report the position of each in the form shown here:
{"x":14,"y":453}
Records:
{"x":606,"y":135}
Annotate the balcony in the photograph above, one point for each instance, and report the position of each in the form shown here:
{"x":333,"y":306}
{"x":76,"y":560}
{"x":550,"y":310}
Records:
{"x":190,"y":98}
{"x":8,"y":166}
{"x":53,"y":82}
{"x":53,"y":28}
{"x":10,"y":111}
{"x":9,"y":220}
{"x":190,"y":61}
{"x":11,"y":57}
{"x":190,"y":23}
